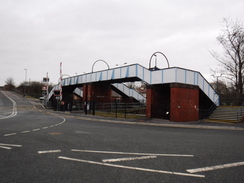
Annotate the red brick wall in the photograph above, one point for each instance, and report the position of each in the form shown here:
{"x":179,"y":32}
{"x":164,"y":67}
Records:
{"x":149,"y":103}
{"x":184,"y":104}
{"x":98,"y":92}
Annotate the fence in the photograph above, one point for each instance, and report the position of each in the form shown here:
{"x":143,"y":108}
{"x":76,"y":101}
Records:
{"x":115,"y":109}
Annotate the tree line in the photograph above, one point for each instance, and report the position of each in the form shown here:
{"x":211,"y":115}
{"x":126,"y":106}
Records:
{"x":32,"y":88}
{"x":230,"y":74}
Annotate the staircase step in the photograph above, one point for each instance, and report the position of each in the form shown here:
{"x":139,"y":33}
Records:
{"x":221,"y":120}
{"x":225,"y":113}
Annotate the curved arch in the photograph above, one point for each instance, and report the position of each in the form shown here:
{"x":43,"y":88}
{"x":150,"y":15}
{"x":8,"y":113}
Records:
{"x":154,"y":54}
{"x":99,"y":61}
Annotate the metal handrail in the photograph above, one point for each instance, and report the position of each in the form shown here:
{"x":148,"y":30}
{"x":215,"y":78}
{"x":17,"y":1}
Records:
{"x":213,"y":107}
{"x":239,"y":113}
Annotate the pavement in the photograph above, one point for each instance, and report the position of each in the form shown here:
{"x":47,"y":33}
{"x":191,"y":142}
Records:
{"x":202,"y":124}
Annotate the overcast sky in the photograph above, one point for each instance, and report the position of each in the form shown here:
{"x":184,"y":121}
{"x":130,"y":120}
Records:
{"x":39,"y":34}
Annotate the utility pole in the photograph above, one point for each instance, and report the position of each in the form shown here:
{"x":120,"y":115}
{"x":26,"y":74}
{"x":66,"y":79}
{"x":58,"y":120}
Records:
{"x":25,"y":81}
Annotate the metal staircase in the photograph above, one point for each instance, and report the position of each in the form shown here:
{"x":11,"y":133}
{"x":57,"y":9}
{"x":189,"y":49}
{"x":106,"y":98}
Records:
{"x":129,"y":92}
{"x":136,"y":72}
{"x":121,"y":87}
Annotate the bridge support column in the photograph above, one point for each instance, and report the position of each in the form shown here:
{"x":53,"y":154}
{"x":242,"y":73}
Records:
{"x":97,"y":92}
{"x":184,"y":102}
{"x":67,"y":97}
{"x":158,"y":101}
{"x":176,"y":102}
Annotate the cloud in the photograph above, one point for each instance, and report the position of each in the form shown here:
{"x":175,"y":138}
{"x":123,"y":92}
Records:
{"x":40,"y":34}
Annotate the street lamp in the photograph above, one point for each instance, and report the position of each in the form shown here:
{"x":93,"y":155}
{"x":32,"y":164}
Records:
{"x":99,"y":61}
{"x":120,"y":64}
{"x":25,"y":81}
{"x":154,"y":55}
{"x":217,"y":76}
{"x":155,"y":61}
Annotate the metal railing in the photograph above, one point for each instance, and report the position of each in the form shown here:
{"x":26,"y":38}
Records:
{"x":213,"y":107}
{"x":118,"y":106}
{"x":240,"y":112}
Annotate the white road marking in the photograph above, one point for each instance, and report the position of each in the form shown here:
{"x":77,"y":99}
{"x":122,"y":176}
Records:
{"x":4,"y":147}
{"x":217,"y":167}
{"x":82,"y":132}
{"x":36,"y":129}
{"x":11,"y":145}
{"x":27,"y":131}
{"x":10,"y":134}
{"x":63,"y":119}
{"x":131,"y":168}
{"x":49,"y":151}
{"x":140,"y":154}
{"x":14,"y":111}
{"x":128,"y":159}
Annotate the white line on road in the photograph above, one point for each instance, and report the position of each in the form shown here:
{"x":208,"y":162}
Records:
{"x":49,"y":151}
{"x":204,"y":169}
{"x":4,"y":147}
{"x":11,"y":145}
{"x":131,"y":168}
{"x":140,"y":154}
{"x":128,"y":159}
{"x":27,"y":131}
{"x":82,"y":132}
{"x":36,"y":129}
{"x":9,"y":134}
{"x":14,"y":111}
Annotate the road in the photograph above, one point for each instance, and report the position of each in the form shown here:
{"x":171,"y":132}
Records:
{"x":37,"y":145}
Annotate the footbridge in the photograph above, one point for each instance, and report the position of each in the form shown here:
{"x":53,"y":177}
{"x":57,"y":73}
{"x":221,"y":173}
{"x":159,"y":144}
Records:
{"x":179,"y":92}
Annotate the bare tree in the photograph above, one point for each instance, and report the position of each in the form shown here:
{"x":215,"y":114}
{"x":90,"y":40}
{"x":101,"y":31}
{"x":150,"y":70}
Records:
{"x":232,"y":60}
{"x":9,"y":84}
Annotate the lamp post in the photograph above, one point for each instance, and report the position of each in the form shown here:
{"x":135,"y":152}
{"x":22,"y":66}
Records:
{"x":217,"y":76}
{"x":25,"y":81}
{"x":100,"y":61}
{"x":118,"y":65}
{"x":155,"y":61}
{"x":154,"y":55}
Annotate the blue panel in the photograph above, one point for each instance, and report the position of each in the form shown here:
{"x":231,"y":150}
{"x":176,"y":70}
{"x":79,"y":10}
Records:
{"x":127,"y":72}
{"x":101,"y":76}
{"x":112,"y":77}
{"x":195,"y":78}
{"x":136,"y":70}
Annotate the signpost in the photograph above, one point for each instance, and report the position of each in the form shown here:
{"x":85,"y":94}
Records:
{"x":45,"y":88}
